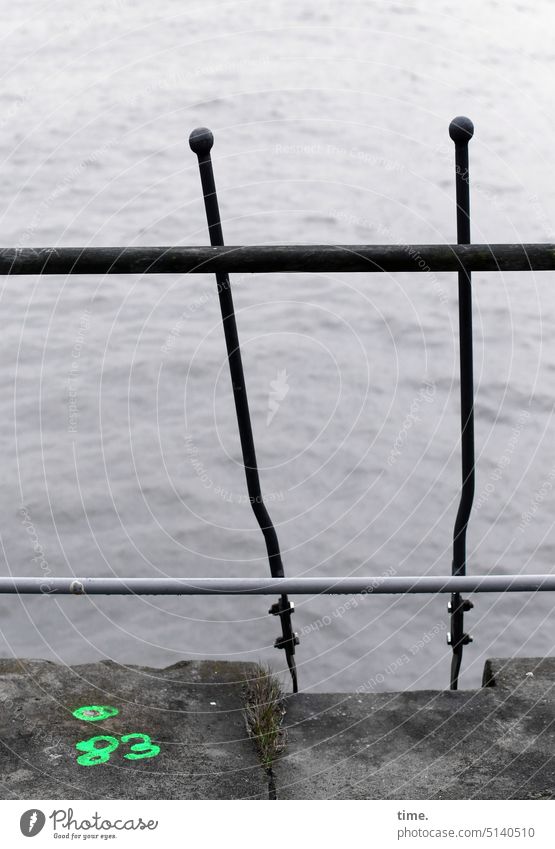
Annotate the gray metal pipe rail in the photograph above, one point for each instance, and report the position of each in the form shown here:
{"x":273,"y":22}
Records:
{"x":268,"y":586}
{"x":262,"y":259}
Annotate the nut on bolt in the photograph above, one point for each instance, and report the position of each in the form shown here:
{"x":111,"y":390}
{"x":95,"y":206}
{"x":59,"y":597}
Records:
{"x":464,"y":641}
{"x":283,"y":642}
{"x":465,"y":606}
{"x":276,"y":608}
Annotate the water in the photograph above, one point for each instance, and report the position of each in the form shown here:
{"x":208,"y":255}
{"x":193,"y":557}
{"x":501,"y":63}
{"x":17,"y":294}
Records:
{"x":119,"y":447}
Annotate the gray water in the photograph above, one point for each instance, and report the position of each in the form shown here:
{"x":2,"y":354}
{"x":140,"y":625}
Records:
{"x":119,"y":447}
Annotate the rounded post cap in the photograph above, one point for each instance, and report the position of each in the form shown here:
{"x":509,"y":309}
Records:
{"x":461,"y":129}
{"x":201,"y":141}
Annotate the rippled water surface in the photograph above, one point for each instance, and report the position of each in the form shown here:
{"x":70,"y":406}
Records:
{"x":119,"y":447}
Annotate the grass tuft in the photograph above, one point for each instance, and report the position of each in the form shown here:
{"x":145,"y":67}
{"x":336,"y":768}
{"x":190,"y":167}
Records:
{"x":264,"y":711}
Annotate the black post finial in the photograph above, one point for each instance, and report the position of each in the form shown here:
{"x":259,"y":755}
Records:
{"x":201,"y":141}
{"x":461,"y":129}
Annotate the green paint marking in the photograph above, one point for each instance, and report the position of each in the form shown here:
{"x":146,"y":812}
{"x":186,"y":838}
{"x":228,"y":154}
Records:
{"x":145,"y":749}
{"x":93,"y":754}
{"x":94,"y":713}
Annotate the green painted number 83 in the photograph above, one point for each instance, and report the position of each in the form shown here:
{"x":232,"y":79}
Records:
{"x":98,"y":754}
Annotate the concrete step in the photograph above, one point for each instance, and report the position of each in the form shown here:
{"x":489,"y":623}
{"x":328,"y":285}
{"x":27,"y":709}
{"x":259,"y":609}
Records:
{"x":494,"y":743}
{"x":192,"y":710}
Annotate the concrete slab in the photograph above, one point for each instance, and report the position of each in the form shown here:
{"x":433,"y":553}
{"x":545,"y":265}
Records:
{"x":493,"y":743}
{"x":192,"y":710}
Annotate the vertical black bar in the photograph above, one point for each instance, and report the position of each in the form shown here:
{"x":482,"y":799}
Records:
{"x":461,"y":131}
{"x":201,"y":141}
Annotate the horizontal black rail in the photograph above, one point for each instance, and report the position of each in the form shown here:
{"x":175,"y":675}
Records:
{"x":268,"y":586}
{"x":262,"y":259}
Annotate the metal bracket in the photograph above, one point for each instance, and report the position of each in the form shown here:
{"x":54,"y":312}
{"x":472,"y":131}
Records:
{"x":285,"y":608}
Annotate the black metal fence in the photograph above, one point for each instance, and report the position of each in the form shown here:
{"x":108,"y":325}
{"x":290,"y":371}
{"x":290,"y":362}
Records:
{"x":463,"y":258}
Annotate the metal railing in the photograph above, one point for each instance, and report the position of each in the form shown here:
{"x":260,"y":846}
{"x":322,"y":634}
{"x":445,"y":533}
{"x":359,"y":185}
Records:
{"x":462,"y":258}
{"x":265,"y":259}
{"x":378,"y":585}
